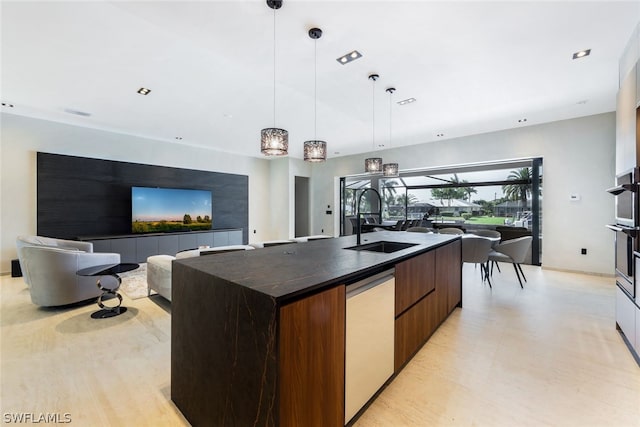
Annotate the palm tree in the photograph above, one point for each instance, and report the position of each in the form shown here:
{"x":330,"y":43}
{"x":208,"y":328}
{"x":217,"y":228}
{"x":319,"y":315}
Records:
{"x":389,"y":192}
{"x":410,"y":199}
{"x":468,"y":190}
{"x":449,"y":193}
{"x":519,"y":191}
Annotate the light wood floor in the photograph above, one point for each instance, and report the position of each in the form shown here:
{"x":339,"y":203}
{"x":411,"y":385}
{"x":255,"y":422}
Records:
{"x":545,"y":355}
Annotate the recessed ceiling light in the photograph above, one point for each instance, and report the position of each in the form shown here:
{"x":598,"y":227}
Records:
{"x":5,"y":104}
{"x":77,"y":113}
{"x":522,"y":120}
{"x":144,"y":91}
{"x":581,"y":54}
{"x":407,"y":101}
{"x":351,"y":56}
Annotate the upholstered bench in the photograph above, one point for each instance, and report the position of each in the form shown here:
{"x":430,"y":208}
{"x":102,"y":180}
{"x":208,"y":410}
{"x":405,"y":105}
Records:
{"x":159,"y":267}
{"x":159,"y":275}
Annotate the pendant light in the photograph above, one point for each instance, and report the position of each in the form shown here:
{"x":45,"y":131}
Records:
{"x":390,"y":169}
{"x":274,"y":141}
{"x":373,"y":164}
{"x":314,"y":150}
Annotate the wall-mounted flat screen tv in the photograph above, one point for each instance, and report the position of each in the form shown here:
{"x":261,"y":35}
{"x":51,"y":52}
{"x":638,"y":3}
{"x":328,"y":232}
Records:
{"x":159,"y":210}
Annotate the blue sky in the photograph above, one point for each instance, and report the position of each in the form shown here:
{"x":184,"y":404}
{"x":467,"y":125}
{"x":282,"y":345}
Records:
{"x":154,"y":204}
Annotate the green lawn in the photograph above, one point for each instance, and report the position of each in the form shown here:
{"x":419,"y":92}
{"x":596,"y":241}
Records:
{"x":492,"y":220}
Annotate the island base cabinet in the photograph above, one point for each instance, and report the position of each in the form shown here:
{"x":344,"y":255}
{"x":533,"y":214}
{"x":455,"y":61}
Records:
{"x":413,"y":327}
{"x":449,"y":276}
{"x":441,"y":269}
{"x":311,"y":360}
{"x":414,"y":279}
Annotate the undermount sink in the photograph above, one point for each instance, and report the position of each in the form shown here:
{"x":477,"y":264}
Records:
{"x":383,"y":246}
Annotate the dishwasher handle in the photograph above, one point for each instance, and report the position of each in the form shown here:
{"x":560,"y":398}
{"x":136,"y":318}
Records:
{"x":368,"y":283}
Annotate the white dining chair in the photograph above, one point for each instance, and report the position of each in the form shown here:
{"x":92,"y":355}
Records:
{"x":475,"y":249}
{"x":513,"y":251}
{"x":450,"y":230}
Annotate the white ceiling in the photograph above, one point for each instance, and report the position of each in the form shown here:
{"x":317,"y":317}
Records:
{"x":473,"y":67}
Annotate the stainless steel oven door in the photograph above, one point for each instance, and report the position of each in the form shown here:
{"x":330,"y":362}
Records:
{"x":636,"y":258}
{"x":627,"y":193}
{"x":624,"y":259}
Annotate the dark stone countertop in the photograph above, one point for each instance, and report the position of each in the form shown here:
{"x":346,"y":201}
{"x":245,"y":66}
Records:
{"x":290,"y":271}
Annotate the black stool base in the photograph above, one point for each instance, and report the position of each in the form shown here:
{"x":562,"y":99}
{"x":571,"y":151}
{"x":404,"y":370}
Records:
{"x":105,"y":314}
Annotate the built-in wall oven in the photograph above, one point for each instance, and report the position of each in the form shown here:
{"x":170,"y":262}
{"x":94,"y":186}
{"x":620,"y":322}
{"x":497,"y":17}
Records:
{"x":626,"y":228}
{"x":624,"y":247}
{"x":626,"y":192}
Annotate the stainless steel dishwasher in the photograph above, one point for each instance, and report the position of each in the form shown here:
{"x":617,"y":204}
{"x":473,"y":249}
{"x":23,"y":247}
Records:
{"x":369,"y":345}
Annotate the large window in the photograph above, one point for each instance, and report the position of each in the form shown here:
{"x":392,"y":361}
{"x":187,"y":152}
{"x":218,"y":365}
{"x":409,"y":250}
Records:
{"x":497,"y":195}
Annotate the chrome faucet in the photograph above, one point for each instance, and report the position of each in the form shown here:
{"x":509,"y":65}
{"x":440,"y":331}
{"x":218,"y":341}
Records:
{"x":359,"y":227}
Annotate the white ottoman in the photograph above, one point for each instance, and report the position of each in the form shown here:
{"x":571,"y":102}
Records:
{"x":223,"y":249}
{"x":159,"y":275}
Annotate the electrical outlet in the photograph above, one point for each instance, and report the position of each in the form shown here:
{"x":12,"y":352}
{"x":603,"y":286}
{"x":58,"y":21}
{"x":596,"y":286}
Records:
{"x":322,"y":231}
{"x":583,"y":251}
{"x":254,"y":231}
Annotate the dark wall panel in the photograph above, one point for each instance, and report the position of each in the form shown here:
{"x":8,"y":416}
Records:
{"x":79,"y":196}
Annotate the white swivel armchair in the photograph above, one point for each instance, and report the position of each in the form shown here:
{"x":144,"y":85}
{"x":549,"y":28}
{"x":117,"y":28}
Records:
{"x":49,"y":268}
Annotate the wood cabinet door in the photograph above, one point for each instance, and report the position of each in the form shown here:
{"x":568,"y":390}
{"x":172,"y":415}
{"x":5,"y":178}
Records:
{"x":413,"y":328}
{"x":454,"y":278}
{"x":626,"y":156}
{"x":448,"y":278}
{"x":415,"y":278}
{"x":311,"y":360}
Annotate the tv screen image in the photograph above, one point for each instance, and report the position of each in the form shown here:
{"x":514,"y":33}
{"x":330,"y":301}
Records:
{"x":158,"y":210}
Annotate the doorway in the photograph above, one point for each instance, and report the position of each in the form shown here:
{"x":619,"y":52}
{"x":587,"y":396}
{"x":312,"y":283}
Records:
{"x":505,"y":196}
{"x":302,"y":227}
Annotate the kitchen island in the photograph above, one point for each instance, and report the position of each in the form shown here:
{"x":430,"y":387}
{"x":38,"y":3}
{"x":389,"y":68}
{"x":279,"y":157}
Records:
{"x":258,"y":337}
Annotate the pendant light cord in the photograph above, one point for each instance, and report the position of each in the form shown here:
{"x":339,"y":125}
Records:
{"x":274,"y":67}
{"x":315,"y":89}
{"x":373,"y":114}
{"x":390,"y":121}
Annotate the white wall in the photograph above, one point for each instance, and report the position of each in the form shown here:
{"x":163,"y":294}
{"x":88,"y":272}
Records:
{"x":578,"y":157}
{"x":278,"y":206}
{"x":298,"y":167}
{"x":22,"y":137}
{"x":282,"y":205}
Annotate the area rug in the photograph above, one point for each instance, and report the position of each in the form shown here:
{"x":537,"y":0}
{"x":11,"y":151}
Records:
{"x":134,"y":283}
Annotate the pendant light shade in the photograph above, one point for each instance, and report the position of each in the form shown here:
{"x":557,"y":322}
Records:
{"x":274,"y":141}
{"x":315,"y":151}
{"x":390,"y":170}
{"x":373,"y":164}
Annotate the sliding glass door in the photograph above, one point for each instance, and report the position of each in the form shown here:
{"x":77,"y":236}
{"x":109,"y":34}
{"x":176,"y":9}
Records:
{"x":504,"y":196}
